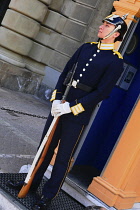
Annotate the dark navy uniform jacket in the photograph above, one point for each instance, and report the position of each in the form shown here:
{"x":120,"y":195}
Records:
{"x":99,"y":67}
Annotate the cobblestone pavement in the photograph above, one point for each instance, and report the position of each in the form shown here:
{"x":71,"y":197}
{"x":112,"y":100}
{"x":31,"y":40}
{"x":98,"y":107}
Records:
{"x":19,"y":133}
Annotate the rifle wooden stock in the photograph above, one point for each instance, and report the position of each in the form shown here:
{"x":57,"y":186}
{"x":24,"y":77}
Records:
{"x":38,"y":160}
{"x":24,"y":190}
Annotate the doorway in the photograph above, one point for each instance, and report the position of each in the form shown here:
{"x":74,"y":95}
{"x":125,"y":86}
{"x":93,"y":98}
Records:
{"x":110,"y":119}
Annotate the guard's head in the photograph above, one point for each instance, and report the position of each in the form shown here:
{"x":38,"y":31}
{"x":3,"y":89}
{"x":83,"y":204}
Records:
{"x":119,"y":23}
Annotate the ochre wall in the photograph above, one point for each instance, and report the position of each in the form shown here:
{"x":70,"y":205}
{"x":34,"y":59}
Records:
{"x":119,"y":183}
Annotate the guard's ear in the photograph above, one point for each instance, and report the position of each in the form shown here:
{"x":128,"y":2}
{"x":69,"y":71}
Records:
{"x":116,"y":34}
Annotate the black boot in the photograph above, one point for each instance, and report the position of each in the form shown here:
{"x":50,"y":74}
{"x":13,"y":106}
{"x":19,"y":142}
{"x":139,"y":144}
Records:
{"x":42,"y":204}
{"x":15,"y":185}
{"x":95,"y":208}
{"x":19,"y":185}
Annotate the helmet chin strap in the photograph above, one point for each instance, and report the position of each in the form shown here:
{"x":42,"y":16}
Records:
{"x":112,"y":32}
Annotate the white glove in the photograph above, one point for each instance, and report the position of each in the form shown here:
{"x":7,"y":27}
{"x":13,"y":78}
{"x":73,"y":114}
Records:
{"x":54,"y":104}
{"x":61,"y":109}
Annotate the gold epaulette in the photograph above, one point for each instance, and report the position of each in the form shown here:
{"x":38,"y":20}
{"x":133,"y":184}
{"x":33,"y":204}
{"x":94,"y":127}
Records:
{"x":92,"y":42}
{"x":53,"y":95}
{"x":117,"y":53}
{"x":77,"y":109}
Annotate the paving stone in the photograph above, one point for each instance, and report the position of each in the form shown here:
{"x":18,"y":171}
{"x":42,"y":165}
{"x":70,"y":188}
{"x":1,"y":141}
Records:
{"x":20,"y":134}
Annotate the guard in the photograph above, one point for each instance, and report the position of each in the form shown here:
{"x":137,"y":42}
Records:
{"x":98,"y":67}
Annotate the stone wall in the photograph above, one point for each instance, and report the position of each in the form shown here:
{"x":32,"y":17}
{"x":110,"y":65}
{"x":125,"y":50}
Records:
{"x":38,"y":35}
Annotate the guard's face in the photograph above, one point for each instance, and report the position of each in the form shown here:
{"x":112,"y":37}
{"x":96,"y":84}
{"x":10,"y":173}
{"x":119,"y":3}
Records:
{"x":105,"y":29}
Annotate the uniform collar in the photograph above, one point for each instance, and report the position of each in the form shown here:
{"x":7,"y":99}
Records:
{"x":103,"y":46}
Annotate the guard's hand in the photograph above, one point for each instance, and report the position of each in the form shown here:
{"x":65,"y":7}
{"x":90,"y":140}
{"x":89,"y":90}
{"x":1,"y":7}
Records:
{"x":63,"y":108}
{"x":54,"y":104}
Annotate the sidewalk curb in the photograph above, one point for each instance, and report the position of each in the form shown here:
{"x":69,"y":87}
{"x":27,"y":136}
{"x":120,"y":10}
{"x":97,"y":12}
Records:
{"x":8,"y":202}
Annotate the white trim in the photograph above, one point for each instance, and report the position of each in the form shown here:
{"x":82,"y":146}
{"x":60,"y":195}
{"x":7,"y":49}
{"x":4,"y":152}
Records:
{"x":103,"y":46}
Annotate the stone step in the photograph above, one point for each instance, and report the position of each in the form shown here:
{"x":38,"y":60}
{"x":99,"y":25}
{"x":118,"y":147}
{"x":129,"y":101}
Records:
{"x":9,"y":203}
{"x":83,"y":196}
{"x":70,"y":190}
{"x":78,"y":193}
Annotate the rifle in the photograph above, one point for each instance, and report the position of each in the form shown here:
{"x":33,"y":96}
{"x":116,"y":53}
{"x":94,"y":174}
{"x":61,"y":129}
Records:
{"x":42,"y":151}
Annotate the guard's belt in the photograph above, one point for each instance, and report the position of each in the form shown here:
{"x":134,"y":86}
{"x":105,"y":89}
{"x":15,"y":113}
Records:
{"x":81,"y":86}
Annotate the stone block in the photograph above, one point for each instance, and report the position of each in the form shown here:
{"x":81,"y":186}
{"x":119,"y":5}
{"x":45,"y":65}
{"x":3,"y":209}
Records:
{"x":15,"y":42}
{"x":90,"y":3}
{"x":21,"y":23}
{"x":47,"y":56}
{"x":9,"y":68}
{"x":58,"y":61}
{"x":48,"y":37}
{"x":34,"y":66}
{"x":33,"y":8}
{"x":74,"y":30}
{"x":55,"y":21}
{"x":11,"y":57}
{"x":73,"y":10}
{"x":77,"y":12}
{"x":91,"y":35}
{"x":67,"y":46}
{"x":57,"y":5}
{"x":46,"y":1}
{"x":19,"y":79}
{"x":37,"y":51}
{"x":40,"y":53}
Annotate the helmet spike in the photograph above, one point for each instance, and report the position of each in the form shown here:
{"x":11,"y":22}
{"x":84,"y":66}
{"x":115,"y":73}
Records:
{"x":125,"y":16}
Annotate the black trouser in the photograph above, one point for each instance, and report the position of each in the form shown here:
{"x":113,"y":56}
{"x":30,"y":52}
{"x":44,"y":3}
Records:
{"x":68,"y":132}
